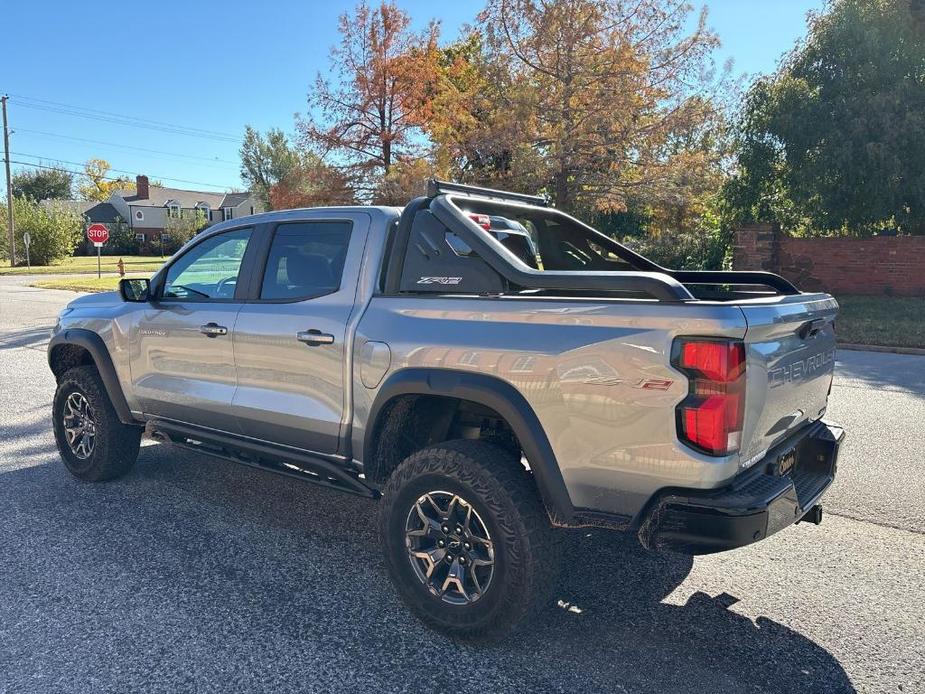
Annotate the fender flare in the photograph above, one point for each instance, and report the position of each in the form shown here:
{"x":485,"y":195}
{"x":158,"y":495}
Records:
{"x":94,"y":344}
{"x":498,"y":395}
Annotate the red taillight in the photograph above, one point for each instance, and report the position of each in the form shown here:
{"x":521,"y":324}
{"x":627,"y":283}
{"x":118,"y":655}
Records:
{"x":710,"y":417}
{"x":483,"y":220}
{"x":716,"y":361}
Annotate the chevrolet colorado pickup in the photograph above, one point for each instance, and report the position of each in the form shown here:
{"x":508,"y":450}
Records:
{"x":487,"y":366}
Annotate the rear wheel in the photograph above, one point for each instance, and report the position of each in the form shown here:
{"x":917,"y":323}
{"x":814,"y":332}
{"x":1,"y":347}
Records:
{"x":467,"y":541}
{"x":94,"y":445}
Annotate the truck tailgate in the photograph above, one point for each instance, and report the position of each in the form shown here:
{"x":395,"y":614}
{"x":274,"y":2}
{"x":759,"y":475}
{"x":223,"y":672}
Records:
{"x":790,"y":359}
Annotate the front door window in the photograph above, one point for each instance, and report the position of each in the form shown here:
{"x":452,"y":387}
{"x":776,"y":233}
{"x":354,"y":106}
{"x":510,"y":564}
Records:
{"x":208,"y":271}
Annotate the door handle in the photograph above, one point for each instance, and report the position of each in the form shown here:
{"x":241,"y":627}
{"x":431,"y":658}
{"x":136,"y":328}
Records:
{"x":213,"y":329}
{"x":315,"y":337}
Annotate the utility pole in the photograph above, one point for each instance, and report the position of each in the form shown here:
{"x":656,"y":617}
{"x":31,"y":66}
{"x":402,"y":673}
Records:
{"x":9,"y":185}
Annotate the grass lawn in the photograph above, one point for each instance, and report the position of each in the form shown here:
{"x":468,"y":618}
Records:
{"x":83,"y":284}
{"x":87,"y":265}
{"x":890,"y":321}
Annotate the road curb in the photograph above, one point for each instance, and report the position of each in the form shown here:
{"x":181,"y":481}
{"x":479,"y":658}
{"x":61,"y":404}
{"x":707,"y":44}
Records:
{"x":879,"y":348}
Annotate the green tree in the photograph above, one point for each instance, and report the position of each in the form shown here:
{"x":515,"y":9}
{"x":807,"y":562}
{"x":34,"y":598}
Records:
{"x":267,"y":160}
{"x":182,"y":228}
{"x":43,"y":184}
{"x":699,"y":243}
{"x":835,"y":140}
{"x":55,"y":231}
{"x":122,"y":239}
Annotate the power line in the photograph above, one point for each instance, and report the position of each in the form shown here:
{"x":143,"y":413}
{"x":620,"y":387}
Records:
{"x":109,"y":178}
{"x":92,"y":112}
{"x":116,"y":121}
{"x":119,"y":119}
{"x":127,"y":147}
{"x":60,"y":168}
{"x":81,"y":173}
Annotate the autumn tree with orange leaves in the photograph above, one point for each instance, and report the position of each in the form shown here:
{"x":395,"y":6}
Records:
{"x":479,"y":119}
{"x":617,"y":96}
{"x":367,"y":116}
{"x":609,"y":107}
{"x":311,"y":183}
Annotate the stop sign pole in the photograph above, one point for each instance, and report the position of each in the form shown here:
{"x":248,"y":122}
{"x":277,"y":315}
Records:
{"x":98,"y":234}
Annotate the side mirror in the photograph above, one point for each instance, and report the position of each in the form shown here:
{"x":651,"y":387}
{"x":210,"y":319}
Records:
{"x":135,"y":289}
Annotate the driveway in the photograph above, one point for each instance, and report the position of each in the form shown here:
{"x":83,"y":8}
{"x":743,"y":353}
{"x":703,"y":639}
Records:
{"x":196,"y":574}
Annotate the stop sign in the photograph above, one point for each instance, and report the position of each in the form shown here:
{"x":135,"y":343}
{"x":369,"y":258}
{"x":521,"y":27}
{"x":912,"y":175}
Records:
{"x":98,"y":233}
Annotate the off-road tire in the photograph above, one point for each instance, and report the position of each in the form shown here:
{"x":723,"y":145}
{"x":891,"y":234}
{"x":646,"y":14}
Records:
{"x":115,"y":445}
{"x":505,"y":496}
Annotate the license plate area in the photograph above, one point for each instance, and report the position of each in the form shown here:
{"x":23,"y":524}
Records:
{"x":810,"y":463}
{"x":786,"y":462}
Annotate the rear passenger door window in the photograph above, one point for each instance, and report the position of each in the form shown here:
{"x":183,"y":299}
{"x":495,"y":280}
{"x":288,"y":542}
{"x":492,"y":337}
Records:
{"x":306,"y":260}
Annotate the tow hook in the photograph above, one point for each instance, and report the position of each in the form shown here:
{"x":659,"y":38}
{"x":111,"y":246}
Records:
{"x":814,"y":515}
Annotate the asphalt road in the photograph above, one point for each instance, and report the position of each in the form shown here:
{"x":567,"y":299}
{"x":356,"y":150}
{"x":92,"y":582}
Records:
{"x":195,"y":574}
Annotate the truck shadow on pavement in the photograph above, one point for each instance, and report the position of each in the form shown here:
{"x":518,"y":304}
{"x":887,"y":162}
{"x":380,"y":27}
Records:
{"x":23,"y":440}
{"x":29,"y":337}
{"x":651,"y":645}
{"x":198,"y":574}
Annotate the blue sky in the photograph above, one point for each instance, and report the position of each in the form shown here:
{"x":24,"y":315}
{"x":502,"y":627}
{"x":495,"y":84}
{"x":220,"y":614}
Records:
{"x":216,"y":66}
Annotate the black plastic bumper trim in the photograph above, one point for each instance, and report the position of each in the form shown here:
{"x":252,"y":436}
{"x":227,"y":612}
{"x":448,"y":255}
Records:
{"x":758,"y":504}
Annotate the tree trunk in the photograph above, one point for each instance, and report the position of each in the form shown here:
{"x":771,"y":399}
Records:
{"x":386,"y":155}
{"x":563,"y":201}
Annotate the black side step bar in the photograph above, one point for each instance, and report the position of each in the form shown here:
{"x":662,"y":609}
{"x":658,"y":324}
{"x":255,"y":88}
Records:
{"x":264,"y":456}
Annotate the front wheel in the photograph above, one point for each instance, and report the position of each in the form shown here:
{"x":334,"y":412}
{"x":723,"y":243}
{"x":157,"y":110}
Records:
{"x":94,"y":445}
{"x":467,"y":540}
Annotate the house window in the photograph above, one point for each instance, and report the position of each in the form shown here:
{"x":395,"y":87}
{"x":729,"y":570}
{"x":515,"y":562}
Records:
{"x":204,"y":207}
{"x":140,"y":237}
{"x":165,"y":238}
{"x":139,"y":215}
{"x":173,"y":209}
{"x":523,"y":364}
{"x":228,"y":213}
{"x":469,"y":359}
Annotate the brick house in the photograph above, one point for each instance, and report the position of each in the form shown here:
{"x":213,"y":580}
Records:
{"x":147,"y":208}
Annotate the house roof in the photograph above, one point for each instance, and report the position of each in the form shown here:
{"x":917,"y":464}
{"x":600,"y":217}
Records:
{"x":234,"y":199}
{"x":78,"y":206}
{"x":102,"y":212}
{"x":158,"y":197}
{"x":93,"y":210}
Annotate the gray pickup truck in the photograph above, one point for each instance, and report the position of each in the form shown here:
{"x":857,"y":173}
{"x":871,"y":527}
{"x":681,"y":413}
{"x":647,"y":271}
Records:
{"x":488,"y":367}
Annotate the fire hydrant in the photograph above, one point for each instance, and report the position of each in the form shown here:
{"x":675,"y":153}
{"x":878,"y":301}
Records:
{"x":121,"y":267}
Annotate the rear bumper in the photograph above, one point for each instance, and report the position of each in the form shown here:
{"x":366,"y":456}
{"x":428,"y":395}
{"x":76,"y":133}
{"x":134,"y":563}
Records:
{"x":758,"y":504}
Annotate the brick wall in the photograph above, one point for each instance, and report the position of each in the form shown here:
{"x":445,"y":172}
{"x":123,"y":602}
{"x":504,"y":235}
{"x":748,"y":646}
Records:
{"x":755,"y":248}
{"x":877,"y":265}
